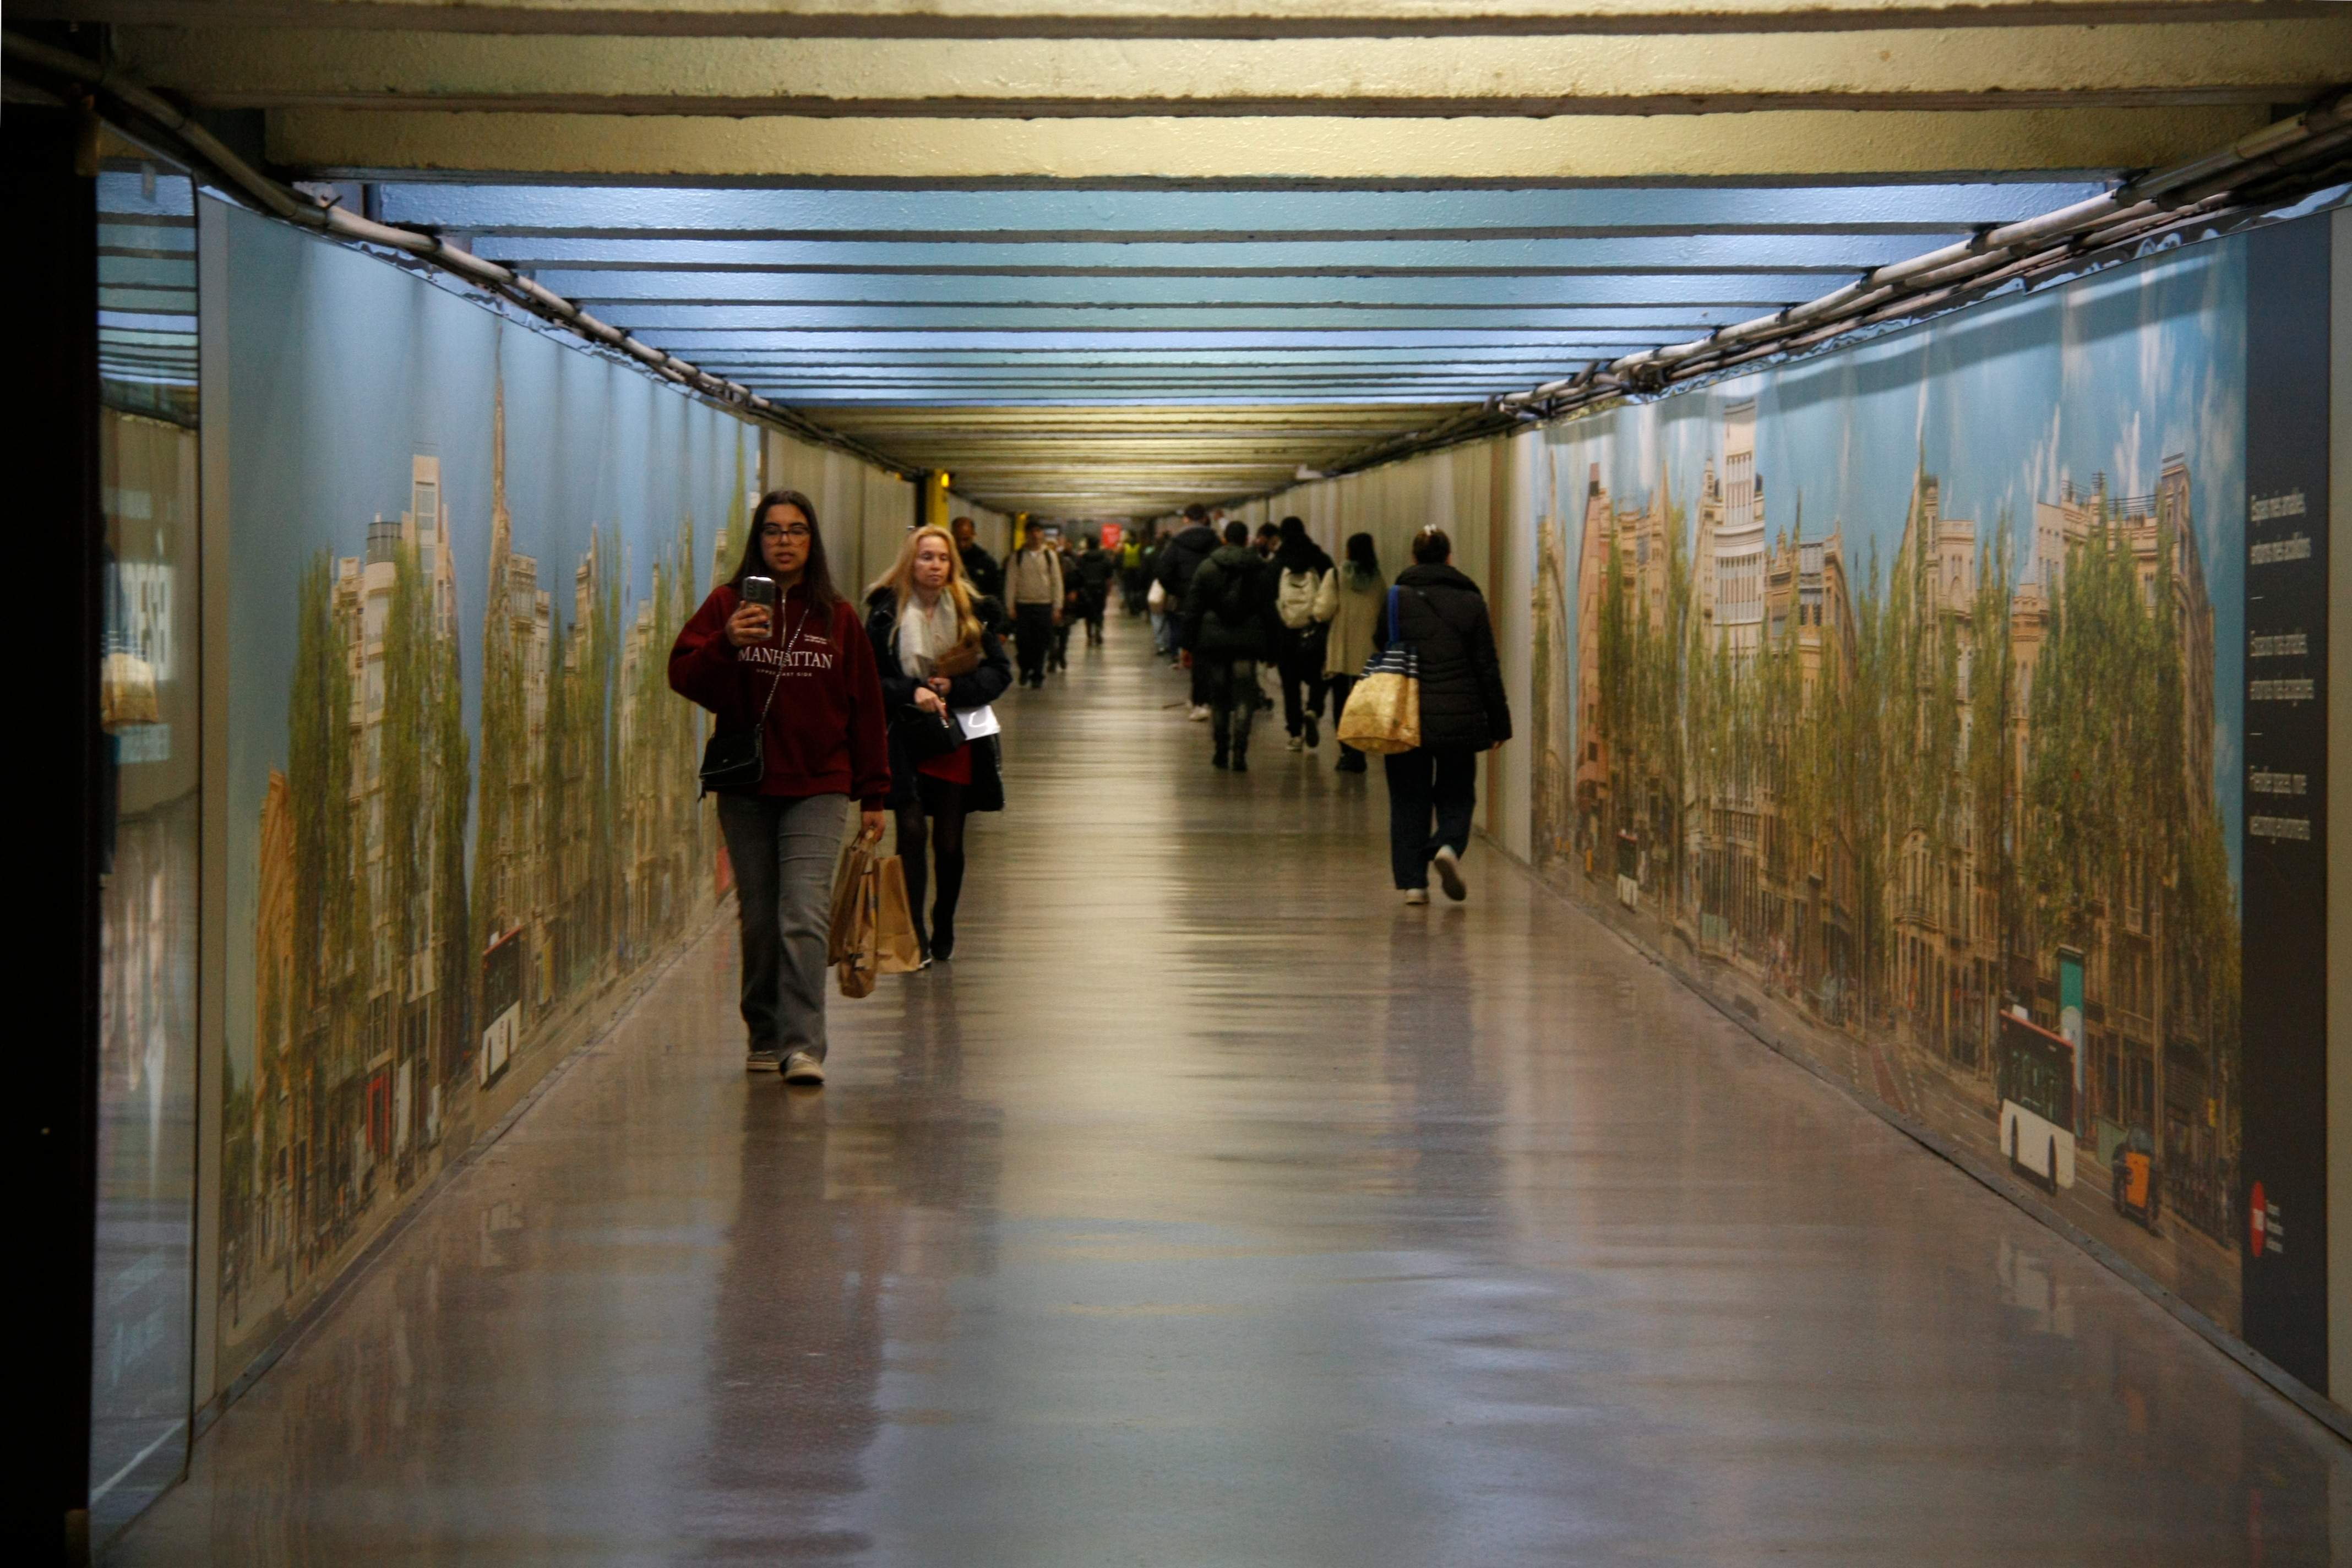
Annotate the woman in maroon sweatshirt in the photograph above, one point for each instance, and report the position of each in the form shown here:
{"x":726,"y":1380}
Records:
{"x":826,"y":741}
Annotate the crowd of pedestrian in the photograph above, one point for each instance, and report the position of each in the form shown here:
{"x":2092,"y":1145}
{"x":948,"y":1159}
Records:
{"x":822,"y":713}
{"x":1239,"y":609}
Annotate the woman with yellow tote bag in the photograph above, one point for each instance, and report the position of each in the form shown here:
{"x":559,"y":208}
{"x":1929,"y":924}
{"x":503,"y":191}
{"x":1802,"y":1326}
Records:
{"x":1459,"y":710}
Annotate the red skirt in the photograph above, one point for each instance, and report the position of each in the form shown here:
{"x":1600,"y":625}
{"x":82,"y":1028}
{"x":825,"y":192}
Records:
{"x":953,"y":767}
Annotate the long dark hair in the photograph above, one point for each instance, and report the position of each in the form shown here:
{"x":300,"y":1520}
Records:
{"x":1362,"y":554}
{"x":816,"y":577}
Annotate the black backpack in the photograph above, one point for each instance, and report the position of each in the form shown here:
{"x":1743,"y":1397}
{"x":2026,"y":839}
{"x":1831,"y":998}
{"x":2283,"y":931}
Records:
{"x":1237,"y":600}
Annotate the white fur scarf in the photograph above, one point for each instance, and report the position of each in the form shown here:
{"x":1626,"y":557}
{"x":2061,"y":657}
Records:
{"x":924,"y":635}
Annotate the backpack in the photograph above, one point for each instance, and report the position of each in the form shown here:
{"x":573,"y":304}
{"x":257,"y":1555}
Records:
{"x":1237,"y":597}
{"x":1294,"y":599}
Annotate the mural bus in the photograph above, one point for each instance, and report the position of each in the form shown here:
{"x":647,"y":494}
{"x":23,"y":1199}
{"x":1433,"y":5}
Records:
{"x":2037,"y":1101}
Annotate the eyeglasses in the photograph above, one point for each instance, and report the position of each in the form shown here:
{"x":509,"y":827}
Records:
{"x":785,"y":531}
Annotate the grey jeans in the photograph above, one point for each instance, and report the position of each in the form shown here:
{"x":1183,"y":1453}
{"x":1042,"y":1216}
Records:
{"x":783,"y":849}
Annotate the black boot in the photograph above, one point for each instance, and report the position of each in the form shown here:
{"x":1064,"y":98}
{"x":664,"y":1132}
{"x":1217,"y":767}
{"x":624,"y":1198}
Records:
{"x":949,"y":869}
{"x":1221,"y":729}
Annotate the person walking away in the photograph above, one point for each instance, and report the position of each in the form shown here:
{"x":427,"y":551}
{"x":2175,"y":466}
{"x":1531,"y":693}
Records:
{"x":1226,"y":634}
{"x":936,"y":659}
{"x":1268,"y":540}
{"x":1300,"y":568}
{"x":1034,"y":580}
{"x":1072,"y":608}
{"x":1177,"y":563}
{"x":1353,"y":599}
{"x":1134,"y":576}
{"x":1463,"y":711}
{"x":981,"y":572}
{"x":1097,"y":568}
{"x":803,"y":672}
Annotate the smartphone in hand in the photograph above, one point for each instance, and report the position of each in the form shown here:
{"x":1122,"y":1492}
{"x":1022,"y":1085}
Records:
{"x":760,"y":591}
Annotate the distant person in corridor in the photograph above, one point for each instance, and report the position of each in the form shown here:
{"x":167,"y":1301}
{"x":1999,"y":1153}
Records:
{"x":1354,"y":597}
{"x":1032,"y":579}
{"x":1442,"y":615}
{"x":804,"y":672}
{"x":1178,"y":562}
{"x":979,"y":568}
{"x":1227,"y":631}
{"x":1097,"y":569}
{"x":1301,"y":573}
{"x":937,"y":659}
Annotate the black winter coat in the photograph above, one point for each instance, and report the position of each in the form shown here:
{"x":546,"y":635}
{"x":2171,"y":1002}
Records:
{"x":977,"y":689}
{"x":1442,"y":614}
{"x":1182,"y":557}
{"x":983,"y":570}
{"x":1207,"y":630}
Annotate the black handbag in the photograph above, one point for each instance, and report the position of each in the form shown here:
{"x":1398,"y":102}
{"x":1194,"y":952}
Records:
{"x":928,"y":735}
{"x":738,"y":759}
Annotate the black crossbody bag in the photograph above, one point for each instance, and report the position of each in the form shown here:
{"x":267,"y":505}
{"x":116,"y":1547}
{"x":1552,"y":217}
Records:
{"x":738,"y":759}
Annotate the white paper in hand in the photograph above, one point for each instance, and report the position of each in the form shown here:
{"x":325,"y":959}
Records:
{"x":977,"y":721}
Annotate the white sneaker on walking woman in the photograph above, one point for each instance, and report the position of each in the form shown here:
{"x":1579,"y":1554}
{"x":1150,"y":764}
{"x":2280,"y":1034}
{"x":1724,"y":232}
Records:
{"x":1448,"y":867}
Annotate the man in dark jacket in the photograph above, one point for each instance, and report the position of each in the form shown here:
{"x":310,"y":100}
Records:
{"x":1177,"y":563}
{"x":1227,"y":612}
{"x":979,"y":568}
{"x":1095,"y":568}
{"x":1463,"y":711}
{"x":1300,"y":566}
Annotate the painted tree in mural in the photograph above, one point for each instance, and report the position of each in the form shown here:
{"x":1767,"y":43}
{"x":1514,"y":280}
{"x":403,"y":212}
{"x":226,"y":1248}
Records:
{"x":328,"y":895}
{"x":1992,"y":777}
{"x":424,"y":758}
{"x":1859,"y":760}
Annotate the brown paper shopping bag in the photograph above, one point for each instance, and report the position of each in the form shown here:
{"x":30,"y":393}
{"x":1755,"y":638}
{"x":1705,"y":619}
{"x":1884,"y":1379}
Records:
{"x":897,"y":951}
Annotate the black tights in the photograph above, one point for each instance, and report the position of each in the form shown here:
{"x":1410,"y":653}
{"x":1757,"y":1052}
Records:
{"x":938,"y":807}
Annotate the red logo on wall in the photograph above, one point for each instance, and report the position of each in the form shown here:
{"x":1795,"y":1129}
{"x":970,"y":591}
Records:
{"x":2257,"y":1220}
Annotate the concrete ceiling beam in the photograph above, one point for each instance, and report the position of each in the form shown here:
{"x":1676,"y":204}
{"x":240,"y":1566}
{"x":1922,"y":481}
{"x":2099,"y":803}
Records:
{"x":1947,"y":69}
{"x":1810,"y":144}
{"x":1051,"y":214}
{"x":1152,"y":20}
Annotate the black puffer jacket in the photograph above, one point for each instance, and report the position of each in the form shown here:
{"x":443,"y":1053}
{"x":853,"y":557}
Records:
{"x":1181,"y":558}
{"x":1236,"y":577}
{"x":977,"y":689}
{"x":1442,"y":614}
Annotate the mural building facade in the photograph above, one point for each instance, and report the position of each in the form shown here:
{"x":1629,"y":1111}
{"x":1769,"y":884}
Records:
{"x":1934,"y":783}
{"x":470,"y":815}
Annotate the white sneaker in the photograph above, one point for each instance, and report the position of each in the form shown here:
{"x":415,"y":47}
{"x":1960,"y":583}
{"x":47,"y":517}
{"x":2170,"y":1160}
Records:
{"x":802,"y":1067}
{"x":1200,"y":714}
{"x":1448,"y":867}
{"x":762,"y":1058}
{"x":1297,"y":744}
{"x":1416,"y":895}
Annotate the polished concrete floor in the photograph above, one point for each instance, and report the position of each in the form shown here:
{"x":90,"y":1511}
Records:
{"x":1214,"y":1208}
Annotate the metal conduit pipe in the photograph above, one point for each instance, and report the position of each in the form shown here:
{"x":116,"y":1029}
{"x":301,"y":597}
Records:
{"x":2182,"y":193}
{"x":209,"y":153}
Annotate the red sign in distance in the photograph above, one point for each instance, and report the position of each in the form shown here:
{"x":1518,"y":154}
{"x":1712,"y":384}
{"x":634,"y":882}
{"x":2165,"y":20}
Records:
{"x":2258,"y":1220}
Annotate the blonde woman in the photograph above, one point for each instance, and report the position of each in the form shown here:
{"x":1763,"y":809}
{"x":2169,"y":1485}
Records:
{"x":936,"y":659}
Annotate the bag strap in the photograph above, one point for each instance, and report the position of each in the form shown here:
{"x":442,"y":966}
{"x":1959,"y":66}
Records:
{"x":1395,"y":594}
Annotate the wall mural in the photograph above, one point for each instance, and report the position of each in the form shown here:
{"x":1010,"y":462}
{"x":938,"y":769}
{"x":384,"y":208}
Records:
{"x":462,"y":799}
{"x":1896,"y":696}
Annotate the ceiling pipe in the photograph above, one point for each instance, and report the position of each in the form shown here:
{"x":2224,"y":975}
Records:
{"x":2140,"y":208}
{"x":208,"y":152}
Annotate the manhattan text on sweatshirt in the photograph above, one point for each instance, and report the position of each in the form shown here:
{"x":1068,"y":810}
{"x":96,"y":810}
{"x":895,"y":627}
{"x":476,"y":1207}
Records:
{"x":827,"y":733}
